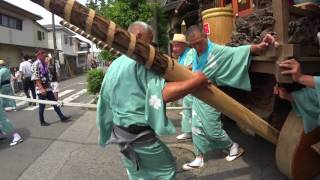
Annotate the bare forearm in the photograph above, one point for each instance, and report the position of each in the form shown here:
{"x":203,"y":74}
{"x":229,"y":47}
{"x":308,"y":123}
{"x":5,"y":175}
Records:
{"x":176,"y":90}
{"x":254,"y":49}
{"x":307,"y":80}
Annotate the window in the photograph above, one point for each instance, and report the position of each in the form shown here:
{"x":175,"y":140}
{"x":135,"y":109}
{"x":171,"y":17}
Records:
{"x":5,"y":20}
{"x":39,"y":35}
{"x":10,"y":22}
{"x":65,"y":39}
{"x":71,"y":43}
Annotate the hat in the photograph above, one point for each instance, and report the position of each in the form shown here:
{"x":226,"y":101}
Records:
{"x":2,"y":62}
{"x":179,"y":38}
{"x":40,"y":52}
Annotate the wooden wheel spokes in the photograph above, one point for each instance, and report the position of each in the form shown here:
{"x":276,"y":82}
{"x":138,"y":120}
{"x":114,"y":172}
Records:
{"x":294,"y":155}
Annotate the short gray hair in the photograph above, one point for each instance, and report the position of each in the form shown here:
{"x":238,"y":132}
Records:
{"x":142,"y":24}
{"x":193,"y":29}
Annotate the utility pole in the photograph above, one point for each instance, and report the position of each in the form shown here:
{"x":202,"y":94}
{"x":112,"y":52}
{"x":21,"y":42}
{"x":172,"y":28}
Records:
{"x":55,"y":52}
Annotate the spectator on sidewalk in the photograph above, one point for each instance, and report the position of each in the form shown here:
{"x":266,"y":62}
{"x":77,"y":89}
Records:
{"x":18,"y":77}
{"x":40,"y":76}
{"x":6,"y":88}
{"x":53,"y":77}
{"x":25,"y":69}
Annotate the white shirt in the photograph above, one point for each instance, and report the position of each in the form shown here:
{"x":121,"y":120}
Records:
{"x":25,"y":68}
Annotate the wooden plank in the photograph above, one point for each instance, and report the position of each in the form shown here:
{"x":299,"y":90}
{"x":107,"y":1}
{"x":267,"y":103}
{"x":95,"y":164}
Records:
{"x":316,"y":147}
{"x":267,"y":67}
{"x":281,"y":15}
{"x":299,"y":50}
{"x":263,"y":58}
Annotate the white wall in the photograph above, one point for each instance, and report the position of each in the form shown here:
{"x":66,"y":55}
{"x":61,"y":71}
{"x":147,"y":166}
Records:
{"x":25,"y":37}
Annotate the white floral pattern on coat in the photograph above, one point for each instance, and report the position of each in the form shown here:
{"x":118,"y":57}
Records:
{"x":155,"y":102}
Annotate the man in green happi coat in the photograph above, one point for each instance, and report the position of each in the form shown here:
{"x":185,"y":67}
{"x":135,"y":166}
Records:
{"x":185,"y":56}
{"x":306,"y":101}
{"x":5,"y":125}
{"x":131,"y":113}
{"x":224,"y":66}
{"x":6,"y":88}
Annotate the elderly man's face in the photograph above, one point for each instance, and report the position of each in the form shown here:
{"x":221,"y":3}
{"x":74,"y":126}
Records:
{"x":178,"y":48}
{"x":199,"y":42}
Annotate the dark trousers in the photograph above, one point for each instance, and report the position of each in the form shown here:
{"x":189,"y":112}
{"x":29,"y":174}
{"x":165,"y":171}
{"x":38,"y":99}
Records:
{"x":29,"y":85}
{"x":49,"y":96}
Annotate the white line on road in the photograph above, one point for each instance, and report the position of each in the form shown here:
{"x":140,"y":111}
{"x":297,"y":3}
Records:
{"x":62,"y":94}
{"x":75,"y":96}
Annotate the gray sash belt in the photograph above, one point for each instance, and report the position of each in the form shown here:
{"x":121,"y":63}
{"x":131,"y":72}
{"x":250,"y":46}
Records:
{"x":5,"y":82}
{"x":128,"y":140}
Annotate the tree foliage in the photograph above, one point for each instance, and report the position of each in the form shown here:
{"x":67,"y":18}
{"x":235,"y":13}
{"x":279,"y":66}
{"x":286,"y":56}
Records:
{"x":106,"y":56}
{"x":94,"y":80}
{"x":162,"y":21}
{"x":125,"y":12}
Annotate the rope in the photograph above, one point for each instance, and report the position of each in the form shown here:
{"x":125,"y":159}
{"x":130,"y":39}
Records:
{"x":58,"y":103}
{"x":111,"y":31}
{"x":152,"y":52}
{"x":68,"y":9}
{"x":70,"y":104}
{"x":89,"y":21}
{"x":46,"y":4}
{"x":132,"y":44}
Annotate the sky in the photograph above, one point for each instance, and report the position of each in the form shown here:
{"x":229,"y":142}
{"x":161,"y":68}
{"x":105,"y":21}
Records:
{"x":46,"y":15}
{"x":36,"y":9}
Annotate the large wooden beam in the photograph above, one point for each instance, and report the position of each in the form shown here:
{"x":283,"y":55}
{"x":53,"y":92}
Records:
{"x":281,"y":15}
{"x":154,"y":60}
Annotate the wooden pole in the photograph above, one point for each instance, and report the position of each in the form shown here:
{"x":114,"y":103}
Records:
{"x":162,"y":64}
{"x":98,"y":42}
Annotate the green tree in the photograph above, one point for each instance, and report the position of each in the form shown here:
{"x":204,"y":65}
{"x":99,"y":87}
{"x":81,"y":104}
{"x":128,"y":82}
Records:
{"x":106,"y":56}
{"x":162,"y":21}
{"x":125,"y":12}
{"x":94,"y":80}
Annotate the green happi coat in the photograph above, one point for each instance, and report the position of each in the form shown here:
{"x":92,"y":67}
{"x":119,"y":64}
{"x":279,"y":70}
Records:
{"x":5,"y":75}
{"x":186,"y":59}
{"x":227,"y":66}
{"x":129,"y":95}
{"x":5,"y":124}
{"x":307,"y":105}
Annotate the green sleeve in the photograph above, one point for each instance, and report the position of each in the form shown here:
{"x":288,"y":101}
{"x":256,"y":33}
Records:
{"x":104,"y":118}
{"x":155,"y":108}
{"x":229,"y":66}
{"x":306,"y":105}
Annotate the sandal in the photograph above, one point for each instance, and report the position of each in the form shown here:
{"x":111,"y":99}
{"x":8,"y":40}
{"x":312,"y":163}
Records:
{"x":13,"y":143}
{"x":188,"y":167}
{"x":234,"y":157}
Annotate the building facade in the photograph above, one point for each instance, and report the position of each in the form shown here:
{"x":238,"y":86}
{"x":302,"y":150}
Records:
{"x":20,"y":34}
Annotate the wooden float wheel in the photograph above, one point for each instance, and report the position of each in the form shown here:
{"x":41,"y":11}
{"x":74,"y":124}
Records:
{"x":294,"y":156}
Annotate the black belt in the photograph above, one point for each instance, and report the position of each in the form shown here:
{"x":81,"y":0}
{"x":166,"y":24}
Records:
{"x":5,"y":82}
{"x":135,"y":129}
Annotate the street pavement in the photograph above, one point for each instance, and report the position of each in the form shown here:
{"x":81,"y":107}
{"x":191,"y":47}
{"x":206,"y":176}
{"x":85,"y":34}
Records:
{"x":69,"y":151}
